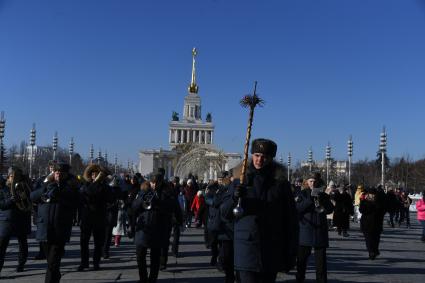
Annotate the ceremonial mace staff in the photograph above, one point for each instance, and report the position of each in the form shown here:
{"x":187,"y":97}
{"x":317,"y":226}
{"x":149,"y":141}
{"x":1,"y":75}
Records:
{"x":248,"y":101}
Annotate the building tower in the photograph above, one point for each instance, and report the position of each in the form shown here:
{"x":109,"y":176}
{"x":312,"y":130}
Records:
{"x":191,"y":128}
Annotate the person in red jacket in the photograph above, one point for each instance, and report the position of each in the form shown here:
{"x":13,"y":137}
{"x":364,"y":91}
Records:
{"x":198,"y":208}
{"x":420,"y":207}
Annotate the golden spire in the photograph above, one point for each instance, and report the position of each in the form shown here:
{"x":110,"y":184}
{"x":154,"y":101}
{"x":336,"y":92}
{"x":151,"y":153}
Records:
{"x":193,"y":88}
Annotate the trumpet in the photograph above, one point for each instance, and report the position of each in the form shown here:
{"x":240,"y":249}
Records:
{"x":315,"y":192}
{"x":318,"y":207}
{"x":147,"y":199}
{"x":50,"y":195}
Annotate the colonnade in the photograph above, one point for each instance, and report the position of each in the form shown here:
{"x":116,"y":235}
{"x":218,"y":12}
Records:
{"x":179,"y":136}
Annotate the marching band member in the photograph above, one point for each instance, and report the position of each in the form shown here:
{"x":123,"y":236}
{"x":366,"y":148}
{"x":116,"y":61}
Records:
{"x":14,"y":221}
{"x":57,"y":199}
{"x":95,"y":195}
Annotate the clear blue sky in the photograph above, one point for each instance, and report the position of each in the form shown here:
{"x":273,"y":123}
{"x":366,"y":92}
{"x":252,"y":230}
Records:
{"x":111,"y":72}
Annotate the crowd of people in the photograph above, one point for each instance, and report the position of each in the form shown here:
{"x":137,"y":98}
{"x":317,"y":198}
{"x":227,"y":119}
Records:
{"x":255,"y":228}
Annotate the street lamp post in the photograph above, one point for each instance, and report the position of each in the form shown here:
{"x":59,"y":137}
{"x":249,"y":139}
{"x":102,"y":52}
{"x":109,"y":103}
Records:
{"x":2,"y":127}
{"x":310,"y":158}
{"x":106,"y":158}
{"x":71,"y":150}
{"x":55,"y":145}
{"x":383,"y":150}
{"x":91,"y":154}
{"x":116,"y":164}
{"x":289,"y":167}
{"x":99,"y":156}
{"x":328,"y":159}
{"x":32,"y":144}
{"x":350,"y":155}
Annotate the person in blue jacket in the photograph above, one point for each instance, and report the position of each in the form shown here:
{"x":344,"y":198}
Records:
{"x":57,"y":199}
{"x":313,"y":204}
{"x":266,"y":234}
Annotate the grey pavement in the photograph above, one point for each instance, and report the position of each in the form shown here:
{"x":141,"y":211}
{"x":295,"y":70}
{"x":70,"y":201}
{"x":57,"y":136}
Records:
{"x":402,"y":259}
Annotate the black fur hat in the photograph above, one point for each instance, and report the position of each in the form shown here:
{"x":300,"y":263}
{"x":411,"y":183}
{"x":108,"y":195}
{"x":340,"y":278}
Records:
{"x":264,"y":146}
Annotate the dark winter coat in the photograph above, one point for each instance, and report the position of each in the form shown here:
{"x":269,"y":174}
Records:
{"x":393,"y":202}
{"x":112,"y":206}
{"x":153,"y":227}
{"x":342,"y":210}
{"x":372,"y":211}
{"x":220,"y":218}
{"x":266,"y":236}
{"x":313,"y":225}
{"x":13,"y":222}
{"x":55,"y":218}
{"x":94,"y":199}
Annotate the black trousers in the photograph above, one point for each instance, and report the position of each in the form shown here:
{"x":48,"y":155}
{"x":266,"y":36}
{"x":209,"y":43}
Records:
{"x":226,"y":260}
{"x":108,"y":239}
{"x":23,"y":249}
{"x":372,"y":241}
{"x":304,"y":253}
{"x":392,"y":214}
{"x":141,"y":253}
{"x":98,"y":232}
{"x":176,"y":239}
{"x":404,"y":215}
{"x":257,"y":277}
{"x":165,"y":245}
{"x":54,"y":253}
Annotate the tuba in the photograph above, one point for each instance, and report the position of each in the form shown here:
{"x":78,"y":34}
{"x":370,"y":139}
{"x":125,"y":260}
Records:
{"x":20,"y":191}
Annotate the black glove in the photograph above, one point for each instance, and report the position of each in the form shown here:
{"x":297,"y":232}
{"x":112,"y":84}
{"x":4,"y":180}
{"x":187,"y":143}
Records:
{"x":240,"y":191}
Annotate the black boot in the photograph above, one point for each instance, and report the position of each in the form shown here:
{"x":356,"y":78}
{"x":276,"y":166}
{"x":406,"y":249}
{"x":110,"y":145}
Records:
{"x":20,"y":267}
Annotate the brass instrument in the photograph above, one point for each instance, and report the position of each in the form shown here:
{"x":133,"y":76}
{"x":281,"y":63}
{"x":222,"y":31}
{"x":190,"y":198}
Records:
{"x":147,"y":199}
{"x":21,"y":193}
{"x":318,"y":207}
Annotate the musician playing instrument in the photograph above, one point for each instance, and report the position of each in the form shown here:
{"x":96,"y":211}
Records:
{"x":57,"y":199}
{"x":95,"y":196}
{"x":313,"y":204}
{"x":153,"y":208}
{"x":15,"y":214}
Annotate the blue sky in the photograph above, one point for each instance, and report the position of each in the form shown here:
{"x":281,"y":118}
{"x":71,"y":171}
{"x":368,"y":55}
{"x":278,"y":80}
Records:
{"x":111,"y":72}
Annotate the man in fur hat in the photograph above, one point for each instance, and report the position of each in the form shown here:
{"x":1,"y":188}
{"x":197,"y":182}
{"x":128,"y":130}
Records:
{"x":57,"y":199}
{"x":95,"y":195}
{"x":266,"y":235}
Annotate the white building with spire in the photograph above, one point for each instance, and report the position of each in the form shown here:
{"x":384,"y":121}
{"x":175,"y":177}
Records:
{"x":190,"y":131}
{"x":191,"y":128}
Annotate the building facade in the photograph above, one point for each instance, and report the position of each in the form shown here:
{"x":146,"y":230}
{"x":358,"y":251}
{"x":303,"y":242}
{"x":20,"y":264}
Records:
{"x":191,"y":142}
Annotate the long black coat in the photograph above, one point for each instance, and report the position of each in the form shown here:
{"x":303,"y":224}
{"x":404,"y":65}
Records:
{"x":94,"y":198}
{"x":313,"y":225}
{"x":373,"y":212}
{"x":13,"y":222}
{"x":54,"y":219}
{"x":153,"y":227}
{"x":266,"y":236}
{"x":220,"y":220}
{"x":343,"y":209}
